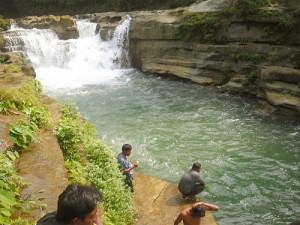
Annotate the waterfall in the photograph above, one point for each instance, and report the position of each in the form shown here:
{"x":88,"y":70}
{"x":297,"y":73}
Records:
{"x":75,"y":62}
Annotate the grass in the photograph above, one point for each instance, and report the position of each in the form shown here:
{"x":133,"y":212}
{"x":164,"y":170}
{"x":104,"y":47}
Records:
{"x":90,"y":161}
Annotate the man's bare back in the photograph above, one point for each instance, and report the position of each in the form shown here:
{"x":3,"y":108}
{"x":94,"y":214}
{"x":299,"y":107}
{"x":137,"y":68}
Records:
{"x":192,"y":215}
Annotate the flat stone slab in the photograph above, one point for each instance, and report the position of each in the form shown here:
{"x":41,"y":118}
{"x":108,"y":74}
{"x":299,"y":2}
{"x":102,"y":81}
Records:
{"x":159,"y":202}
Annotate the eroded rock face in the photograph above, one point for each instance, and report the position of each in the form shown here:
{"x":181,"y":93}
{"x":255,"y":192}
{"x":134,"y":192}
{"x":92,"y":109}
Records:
{"x":106,"y":24}
{"x":63,"y":26}
{"x":238,"y":57}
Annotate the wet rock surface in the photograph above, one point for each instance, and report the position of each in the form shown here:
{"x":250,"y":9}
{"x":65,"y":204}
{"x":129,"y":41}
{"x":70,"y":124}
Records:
{"x":159,"y":202}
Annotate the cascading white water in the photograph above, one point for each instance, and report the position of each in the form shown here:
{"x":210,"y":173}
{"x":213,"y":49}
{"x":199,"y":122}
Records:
{"x":75,"y":62}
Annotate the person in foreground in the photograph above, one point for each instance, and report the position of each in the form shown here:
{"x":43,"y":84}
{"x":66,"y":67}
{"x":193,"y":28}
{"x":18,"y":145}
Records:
{"x":77,"y":205}
{"x":126,"y":166}
{"x":192,"y":215}
{"x":191,"y":183}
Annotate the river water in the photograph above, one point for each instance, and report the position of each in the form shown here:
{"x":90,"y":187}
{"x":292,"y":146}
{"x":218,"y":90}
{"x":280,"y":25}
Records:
{"x":250,"y":163}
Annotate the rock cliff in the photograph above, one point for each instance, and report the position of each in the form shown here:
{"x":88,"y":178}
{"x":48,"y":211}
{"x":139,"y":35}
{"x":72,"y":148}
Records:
{"x":257,"y":56}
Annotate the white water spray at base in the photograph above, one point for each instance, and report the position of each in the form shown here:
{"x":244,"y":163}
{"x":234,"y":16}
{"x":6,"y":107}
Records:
{"x":74,"y":63}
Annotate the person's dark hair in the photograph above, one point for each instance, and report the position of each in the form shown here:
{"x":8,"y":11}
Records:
{"x":198,"y":211}
{"x":76,"y":201}
{"x":196,"y":165}
{"x":126,"y":147}
{"x":295,"y":222}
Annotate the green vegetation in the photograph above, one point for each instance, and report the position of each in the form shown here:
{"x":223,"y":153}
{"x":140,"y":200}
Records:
{"x":12,"y":68}
{"x":39,"y":115}
{"x":244,"y":8}
{"x":4,"y":23}
{"x":10,"y":186}
{"x":284,"y":31}
{"x":3,"y":58}
{"x":254,"y":58}
{"x":24,"y":99}
{"x":80,"y":146}
{"x":200,"y":26}
{"x":23,"y":133}
{"x":19,"y":98}
{"x":251,"y":78}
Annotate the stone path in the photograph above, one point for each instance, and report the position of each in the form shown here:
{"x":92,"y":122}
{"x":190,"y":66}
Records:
{"x":42,"y":168}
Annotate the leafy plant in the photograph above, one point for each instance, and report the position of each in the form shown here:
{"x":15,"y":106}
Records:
{"x":38,"y":115}
{"x":3,"y":58}
{"x":37,"y":86}
{"x":7,"y":106}
{"x":18,"y":98}
{"x":10,"y":184}
{"x":80,"y":146}
{"x":20,"y":221}
{"x":23,"y":133}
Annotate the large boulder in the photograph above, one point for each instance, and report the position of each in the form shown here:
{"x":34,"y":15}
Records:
{"x":253,"y":55}
{"x":64,"y":26}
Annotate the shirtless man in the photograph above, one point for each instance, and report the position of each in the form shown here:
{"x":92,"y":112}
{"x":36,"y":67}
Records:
{"x":192,"y":215}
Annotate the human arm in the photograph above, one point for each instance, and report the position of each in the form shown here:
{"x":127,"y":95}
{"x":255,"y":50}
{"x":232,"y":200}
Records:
{"x":207,"y":206}
{"x":178,"y":219}
{"x":124,"y":164}
{"x":127,"y":170}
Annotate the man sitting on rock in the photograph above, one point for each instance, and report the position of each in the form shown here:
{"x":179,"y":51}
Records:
{"x":191,"y":183}
{"x":77,"y":205}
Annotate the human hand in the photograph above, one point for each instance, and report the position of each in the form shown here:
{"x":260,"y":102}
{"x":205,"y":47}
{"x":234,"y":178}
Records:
{"x":136,"y":164}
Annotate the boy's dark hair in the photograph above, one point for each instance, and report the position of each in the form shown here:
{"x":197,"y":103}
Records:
{"x":196,"y":165}
{"x":295,"y":222}
{"x":76,"y":201}
{"x":126,"y":147}
{"x":198,"y":211}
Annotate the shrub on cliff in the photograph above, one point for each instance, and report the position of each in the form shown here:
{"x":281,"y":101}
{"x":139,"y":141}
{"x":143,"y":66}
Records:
{"x":246,"y":7}
{"x":88,"y":160}
{"x":10,"y":186}
{"x":200,"y":26}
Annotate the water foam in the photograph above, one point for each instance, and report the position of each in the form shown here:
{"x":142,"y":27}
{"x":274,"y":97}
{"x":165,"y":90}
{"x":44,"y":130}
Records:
{"x":74,"y":63}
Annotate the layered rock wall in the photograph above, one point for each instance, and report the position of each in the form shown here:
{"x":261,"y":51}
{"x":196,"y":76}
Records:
{"x":257,"y":56}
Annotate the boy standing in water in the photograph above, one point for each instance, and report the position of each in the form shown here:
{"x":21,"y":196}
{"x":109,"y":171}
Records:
{"x":192,"y":215}
{"x":126,"y":165}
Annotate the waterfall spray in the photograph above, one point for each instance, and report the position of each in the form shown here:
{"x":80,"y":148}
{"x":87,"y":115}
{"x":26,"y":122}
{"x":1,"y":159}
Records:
{"x":74,"y":62}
